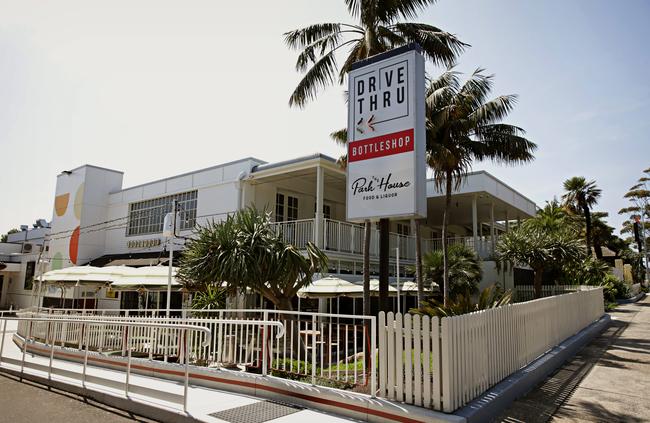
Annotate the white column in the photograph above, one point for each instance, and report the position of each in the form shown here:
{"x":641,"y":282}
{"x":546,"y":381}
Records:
{"x":492,"y":224}
{"x":319,"y":223}
{"x":475,"y":221}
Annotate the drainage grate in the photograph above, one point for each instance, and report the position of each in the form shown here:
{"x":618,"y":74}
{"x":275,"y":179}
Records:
{"x":258,"y":412}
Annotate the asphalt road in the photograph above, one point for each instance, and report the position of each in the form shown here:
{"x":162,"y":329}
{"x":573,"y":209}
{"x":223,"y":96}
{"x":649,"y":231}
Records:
{"x":30,"y":402}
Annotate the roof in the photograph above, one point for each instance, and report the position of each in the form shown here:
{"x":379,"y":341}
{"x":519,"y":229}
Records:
{"x":314,"y":156}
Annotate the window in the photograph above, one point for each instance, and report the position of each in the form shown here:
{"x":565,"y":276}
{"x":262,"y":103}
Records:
{"x":29,"y":275}
{"x":292,"y":208}
{"x":327,"y":211}
{"x":279,"y":207}
{"x":147,"y":217}
{"x":403,"y":229}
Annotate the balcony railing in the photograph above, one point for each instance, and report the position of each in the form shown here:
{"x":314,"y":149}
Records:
{"x":346,"y":237}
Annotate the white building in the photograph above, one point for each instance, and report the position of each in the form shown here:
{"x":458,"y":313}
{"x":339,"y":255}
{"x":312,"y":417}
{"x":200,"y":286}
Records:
{"x":18,"y":263}
{"x":97,"y":221}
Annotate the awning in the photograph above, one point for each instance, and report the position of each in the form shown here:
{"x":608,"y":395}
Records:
{"x":138,"y":262}
{"x":9,"y":267}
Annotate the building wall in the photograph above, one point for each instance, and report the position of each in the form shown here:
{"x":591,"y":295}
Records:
{"x":218,"y":193}
{"x":14,"y":292}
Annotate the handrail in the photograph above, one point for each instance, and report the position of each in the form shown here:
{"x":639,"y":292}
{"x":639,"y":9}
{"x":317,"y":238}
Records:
{"x":80,"y":318}
{"x":85,"y":322}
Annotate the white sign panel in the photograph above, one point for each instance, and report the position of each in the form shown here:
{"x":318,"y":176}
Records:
{"x":386,"y":137}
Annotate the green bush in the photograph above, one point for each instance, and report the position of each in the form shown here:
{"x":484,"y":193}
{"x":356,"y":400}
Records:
{"x":614,"y":288}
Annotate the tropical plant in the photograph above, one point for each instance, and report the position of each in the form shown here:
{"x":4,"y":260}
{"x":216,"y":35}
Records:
{"x":464,"y":125}
{"x":211,"y":297}
{"x":589,"y":271}
{"x":465,"y":271}
{"x":532,"y":245}
{"x":3,"y":237}
{"x":580,"y":197}
{"x":379,"y":28}
{"x":490,"y":297}
{"x":243,"y":251}
{"x":554,"y":216}
{"x":614,"y":288}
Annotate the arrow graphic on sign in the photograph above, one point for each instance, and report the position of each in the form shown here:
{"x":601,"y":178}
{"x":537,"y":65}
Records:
{"x":369,"y":124}
{"x":359,"y":123}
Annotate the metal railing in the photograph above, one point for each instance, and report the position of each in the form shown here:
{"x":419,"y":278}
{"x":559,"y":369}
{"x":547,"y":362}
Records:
{"x":52,"y":329}
{"x":346,"y":237}
{"x":311,"y":347}
{"x":296,"y":232}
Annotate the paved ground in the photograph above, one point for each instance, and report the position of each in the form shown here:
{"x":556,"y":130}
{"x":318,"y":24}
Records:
{"x":608,"y":381}
{"x":29,"y":402}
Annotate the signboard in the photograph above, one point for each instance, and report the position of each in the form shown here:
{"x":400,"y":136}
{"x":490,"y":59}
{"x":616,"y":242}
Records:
{"x":386,"y":137}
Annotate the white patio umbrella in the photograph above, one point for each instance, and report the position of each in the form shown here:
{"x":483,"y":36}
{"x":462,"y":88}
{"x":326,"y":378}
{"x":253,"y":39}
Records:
{"x":149,"y":278}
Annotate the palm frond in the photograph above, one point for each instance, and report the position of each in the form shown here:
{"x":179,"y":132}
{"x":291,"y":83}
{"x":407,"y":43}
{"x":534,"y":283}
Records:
{"x":439,"y":46}
{"x":321,"y":74}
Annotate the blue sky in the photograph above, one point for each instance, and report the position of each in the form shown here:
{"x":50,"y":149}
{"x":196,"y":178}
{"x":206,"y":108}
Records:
{"x":156,"y":88}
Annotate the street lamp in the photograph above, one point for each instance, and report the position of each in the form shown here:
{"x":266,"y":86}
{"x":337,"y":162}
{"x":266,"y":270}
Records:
{"x":170,"y":232}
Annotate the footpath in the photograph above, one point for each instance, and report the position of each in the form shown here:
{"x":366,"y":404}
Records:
{"x":607,"y":381}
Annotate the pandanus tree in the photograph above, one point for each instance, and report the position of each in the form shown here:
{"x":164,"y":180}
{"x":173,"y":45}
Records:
{"x":378,"y":26}
{"x":243,"y":251}
{"x":463,"y":126}
{"x":541,"y":248}
{"x":580,"y":197}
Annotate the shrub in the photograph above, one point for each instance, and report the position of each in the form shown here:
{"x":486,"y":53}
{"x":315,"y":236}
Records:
{"x":491,"y":297}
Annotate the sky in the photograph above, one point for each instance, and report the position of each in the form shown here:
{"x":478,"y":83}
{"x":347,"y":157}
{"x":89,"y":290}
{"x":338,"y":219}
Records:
{"x":158,"y":88}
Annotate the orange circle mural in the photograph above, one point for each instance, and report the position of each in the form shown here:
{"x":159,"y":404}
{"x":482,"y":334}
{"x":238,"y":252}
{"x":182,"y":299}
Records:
{"x":74,"y":245}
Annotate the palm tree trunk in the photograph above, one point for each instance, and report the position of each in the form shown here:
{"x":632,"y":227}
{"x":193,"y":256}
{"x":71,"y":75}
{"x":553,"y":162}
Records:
{"x":366,"y":269}
{"x":537,"y":281}
{"x":418,"y":263}
{"x":445,"y":219}
{"x":588,"y":227}
{"x":384,"y":269}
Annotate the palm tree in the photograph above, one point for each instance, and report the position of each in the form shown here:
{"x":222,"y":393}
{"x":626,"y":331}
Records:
{"x":465,"y":270}
{"x":580,"y":196}
{"x":540,"y":248}
{"x":463,"y":125}
{"x":243,"y":252}
{"x":378,"y":28}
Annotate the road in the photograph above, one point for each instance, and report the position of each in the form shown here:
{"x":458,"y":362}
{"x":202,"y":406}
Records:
{"x":22,"y":402}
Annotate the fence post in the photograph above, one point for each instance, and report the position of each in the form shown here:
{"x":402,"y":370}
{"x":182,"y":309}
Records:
{"x":4,"y":330}
{"x":25,"y":340}
{"x":128,"y":363}
{"x":265,"y":330}
{"x":313,"y":350}
{"x":85,"y":330}
{"x":187,"y":372}
{"x":49,"y":372}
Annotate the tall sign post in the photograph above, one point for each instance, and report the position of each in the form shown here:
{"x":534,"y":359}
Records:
{"x":386,"y":176}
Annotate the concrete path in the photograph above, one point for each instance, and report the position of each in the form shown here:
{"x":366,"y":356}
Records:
{"x":608,"y":381}
{"x":32,"y":402}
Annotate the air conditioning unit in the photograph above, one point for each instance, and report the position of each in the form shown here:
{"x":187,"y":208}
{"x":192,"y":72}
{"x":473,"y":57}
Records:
{"x":27,"y":248}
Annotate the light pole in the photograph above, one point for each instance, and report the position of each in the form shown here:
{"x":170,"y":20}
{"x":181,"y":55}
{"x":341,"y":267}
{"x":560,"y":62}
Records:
{"x":171,"y":236}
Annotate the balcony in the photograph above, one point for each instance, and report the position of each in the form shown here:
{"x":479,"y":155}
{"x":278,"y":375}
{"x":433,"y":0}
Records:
{"x":347,"y":238}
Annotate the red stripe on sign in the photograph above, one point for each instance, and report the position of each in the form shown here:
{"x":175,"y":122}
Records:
{"x":384,"y":145}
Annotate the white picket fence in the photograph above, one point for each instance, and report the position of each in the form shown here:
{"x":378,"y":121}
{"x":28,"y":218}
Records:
{"x":445,"y":363}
